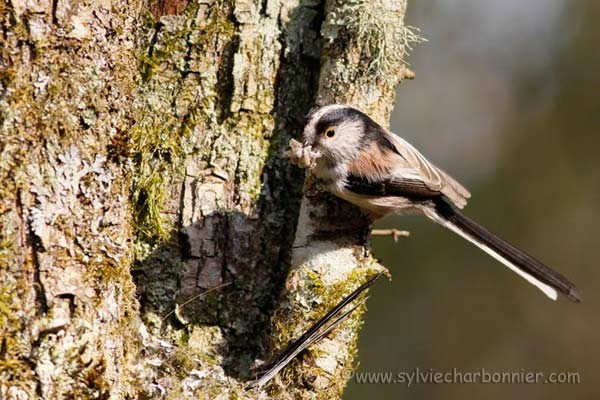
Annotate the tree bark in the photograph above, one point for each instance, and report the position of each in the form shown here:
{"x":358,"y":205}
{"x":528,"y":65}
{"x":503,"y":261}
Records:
{"x":141,"y":159}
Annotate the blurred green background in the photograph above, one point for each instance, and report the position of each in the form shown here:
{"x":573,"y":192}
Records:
{"x":507,"y":99}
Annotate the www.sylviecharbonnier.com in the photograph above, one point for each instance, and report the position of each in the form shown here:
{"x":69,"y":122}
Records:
{"x":429,"y":376}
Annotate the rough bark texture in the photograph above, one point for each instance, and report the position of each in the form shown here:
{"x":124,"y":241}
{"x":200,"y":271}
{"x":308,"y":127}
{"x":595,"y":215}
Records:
{"x":67,"y":300}
{"x":140,"y":156}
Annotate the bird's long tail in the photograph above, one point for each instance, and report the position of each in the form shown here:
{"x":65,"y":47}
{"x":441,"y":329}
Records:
{"x":548,"y":281}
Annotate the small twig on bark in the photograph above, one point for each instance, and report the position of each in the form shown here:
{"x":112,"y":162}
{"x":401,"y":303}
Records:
{"x":212,"y":289}
{"x":394,"y":233}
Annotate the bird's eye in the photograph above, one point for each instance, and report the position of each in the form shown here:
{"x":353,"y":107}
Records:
{"x":330,"y":132}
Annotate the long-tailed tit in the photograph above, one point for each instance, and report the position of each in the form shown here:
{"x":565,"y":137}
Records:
{"x":361,"y":162}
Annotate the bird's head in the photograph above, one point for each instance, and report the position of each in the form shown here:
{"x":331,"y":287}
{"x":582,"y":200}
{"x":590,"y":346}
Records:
{"x":337,"y":132}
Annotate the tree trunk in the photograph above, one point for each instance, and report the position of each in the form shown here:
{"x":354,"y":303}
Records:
{"x":141,"y":160}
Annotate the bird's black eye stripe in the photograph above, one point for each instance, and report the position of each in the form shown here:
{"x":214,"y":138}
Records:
{"x":336,"y":117}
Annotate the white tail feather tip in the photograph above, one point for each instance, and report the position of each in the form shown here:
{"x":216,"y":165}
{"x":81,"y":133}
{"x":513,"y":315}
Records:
{"x":548,"y":290}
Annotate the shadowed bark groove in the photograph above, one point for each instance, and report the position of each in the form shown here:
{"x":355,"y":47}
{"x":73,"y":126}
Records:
{"x":141,"y":159}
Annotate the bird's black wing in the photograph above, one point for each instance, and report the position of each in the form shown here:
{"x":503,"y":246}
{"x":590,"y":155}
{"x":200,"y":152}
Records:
{"x":404,"y":187}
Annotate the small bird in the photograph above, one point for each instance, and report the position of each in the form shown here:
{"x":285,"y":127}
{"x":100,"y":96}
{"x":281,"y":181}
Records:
{"x":359,"y":161}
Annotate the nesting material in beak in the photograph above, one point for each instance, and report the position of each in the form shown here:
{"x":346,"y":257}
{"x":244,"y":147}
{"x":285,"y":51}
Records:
{"x":302,"y":156}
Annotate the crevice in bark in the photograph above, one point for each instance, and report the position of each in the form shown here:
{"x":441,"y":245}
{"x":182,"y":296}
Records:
{"x":33,"y":243}
{"x":146,"y":67}
{"x":224,"y":88}
{"x":54,"y":17}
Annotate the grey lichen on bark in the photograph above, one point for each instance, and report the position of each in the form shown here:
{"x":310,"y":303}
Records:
{"x":66,"y":295}
{"x":141,"y":159}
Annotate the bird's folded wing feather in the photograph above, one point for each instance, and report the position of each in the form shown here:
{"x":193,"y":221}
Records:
{"x":418,"y":168}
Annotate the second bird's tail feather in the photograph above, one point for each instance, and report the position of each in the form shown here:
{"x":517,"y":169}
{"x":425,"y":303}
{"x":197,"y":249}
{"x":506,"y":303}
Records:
{"x":532,"y":270}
